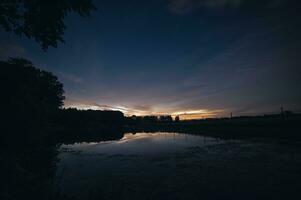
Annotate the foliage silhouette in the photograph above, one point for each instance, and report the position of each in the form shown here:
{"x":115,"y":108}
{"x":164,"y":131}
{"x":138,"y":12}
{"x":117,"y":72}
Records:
{"x":41,"y":20}
{"x":94,"y":125}
{"x":165,"y":118}
{"x":33,"y":98}
{"x":276,"y":126}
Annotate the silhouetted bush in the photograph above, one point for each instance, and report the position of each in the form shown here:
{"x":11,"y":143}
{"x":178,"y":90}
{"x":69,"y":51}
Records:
{"x":32,"y":99}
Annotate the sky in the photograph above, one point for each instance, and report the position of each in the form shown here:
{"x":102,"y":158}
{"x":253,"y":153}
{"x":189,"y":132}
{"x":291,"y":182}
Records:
{"x":193,"y":58}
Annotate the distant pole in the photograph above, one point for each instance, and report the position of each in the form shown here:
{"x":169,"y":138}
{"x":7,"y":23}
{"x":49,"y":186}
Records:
{"x":282,"y":112}
{"x":231,"y":115}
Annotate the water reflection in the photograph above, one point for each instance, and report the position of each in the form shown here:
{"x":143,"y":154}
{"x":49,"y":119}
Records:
{"x":153,"y":166}
{"x":178,"y":166}
{"x":143,"y":143}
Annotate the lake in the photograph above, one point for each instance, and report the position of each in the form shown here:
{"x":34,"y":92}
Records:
{"x":178,"y":166}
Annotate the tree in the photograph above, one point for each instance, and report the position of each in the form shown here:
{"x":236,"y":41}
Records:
{"x":165,"y":118}
{"x":41,"y":20}
{"x":32,"y":96}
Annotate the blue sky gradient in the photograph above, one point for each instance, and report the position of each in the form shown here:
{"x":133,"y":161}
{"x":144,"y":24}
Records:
{"x":206,"y":58}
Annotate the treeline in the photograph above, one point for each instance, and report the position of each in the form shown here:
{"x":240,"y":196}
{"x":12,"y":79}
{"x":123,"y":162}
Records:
{"x":94,"y":125}
{"x":145,"y":123}
{"x":33,"y":112}
{"x":148,"y":119}
{"x":284,"y":125}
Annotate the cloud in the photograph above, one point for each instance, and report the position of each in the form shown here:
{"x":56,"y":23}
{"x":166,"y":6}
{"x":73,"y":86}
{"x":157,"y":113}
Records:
{"x":187,"y":6}
{"x":86,"y":104}
{"x":69,"y":77}
{"x":198,"y":114}
{"x":142,"y":107}
{"x":182,"y":7}
{"x":126,"y":109}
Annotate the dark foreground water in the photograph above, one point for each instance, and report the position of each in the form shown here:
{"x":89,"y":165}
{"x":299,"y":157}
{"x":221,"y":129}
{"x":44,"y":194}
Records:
{"x":178,"y":166}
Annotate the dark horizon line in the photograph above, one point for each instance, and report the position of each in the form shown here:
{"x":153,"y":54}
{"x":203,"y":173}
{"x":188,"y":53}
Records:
{"x":231,"y":114}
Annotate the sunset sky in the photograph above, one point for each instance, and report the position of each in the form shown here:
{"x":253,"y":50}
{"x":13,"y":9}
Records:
{"x":194,"y":58}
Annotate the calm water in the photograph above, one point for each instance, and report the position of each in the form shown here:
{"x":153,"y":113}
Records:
{"x":178,"y":166}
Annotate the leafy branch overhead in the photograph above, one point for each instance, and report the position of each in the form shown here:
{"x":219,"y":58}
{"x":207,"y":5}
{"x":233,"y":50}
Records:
{"x":42,"y":20}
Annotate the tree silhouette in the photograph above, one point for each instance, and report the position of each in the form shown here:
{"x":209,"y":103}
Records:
{"x":32,"y":96}
{"x":165,"y":118}
{"x":41,"y":20}
{"x":41,"y":88}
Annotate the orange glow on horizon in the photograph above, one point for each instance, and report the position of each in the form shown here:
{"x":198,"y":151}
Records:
{"x":127,"y":111}
{"x":196,"y":116}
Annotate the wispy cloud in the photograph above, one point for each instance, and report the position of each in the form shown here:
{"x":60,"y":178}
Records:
{"x":69,"y":77}
{"x":187,"y":6}
{"x":127,"y":110}
{"x":86,"y":104}
{"x":182,"y":7}
{"x":198,"y":114}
